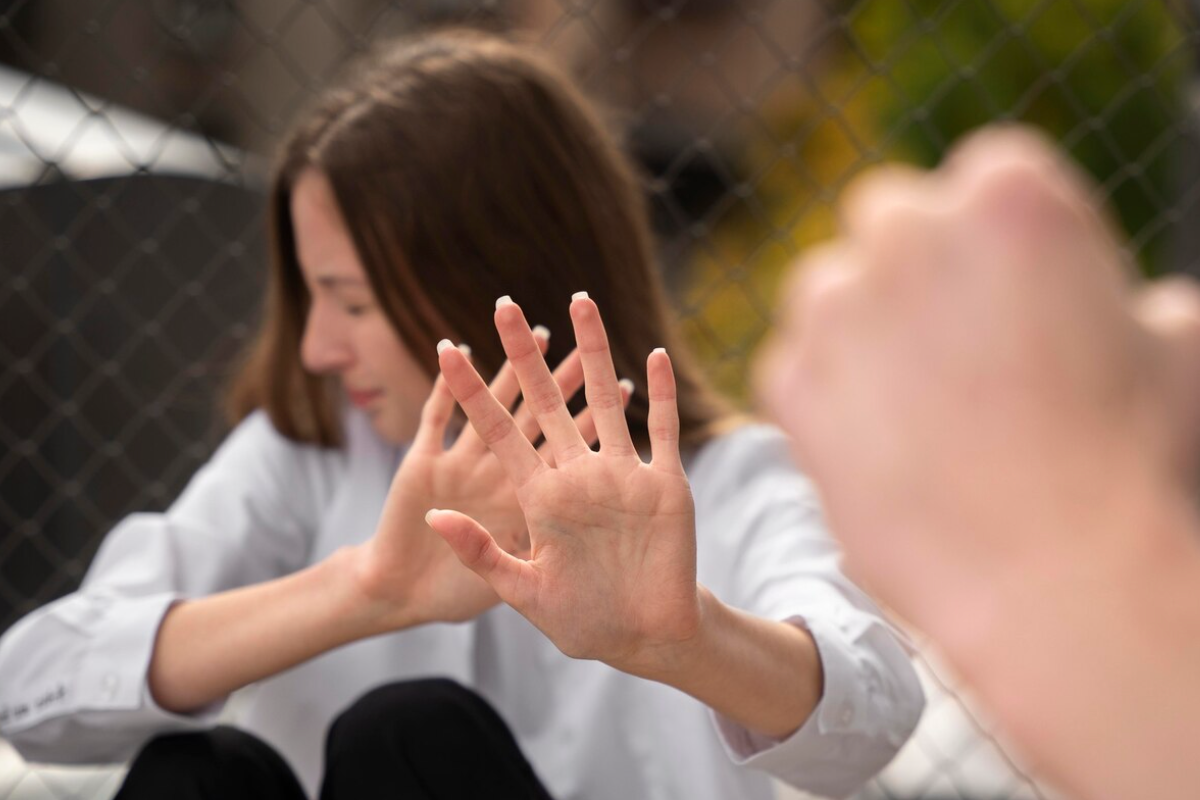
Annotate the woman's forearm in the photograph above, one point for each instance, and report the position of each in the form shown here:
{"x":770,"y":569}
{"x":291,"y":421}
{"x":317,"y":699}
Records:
{"x":209,"y":647}
{"x":762,"y":674}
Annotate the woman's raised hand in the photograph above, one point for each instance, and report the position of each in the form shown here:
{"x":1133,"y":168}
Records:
{"x":409,"y":571}
{"x":611,"y":569}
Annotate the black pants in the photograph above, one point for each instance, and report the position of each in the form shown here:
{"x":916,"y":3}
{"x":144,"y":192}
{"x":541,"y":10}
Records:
{"x":427,"y":739}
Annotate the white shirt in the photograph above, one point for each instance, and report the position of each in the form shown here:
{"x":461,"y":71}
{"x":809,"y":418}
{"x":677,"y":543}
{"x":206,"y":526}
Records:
{"x":73,"y":674}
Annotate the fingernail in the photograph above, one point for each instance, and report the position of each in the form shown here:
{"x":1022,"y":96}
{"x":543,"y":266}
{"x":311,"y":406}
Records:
{"x":541,"y":332}
{"x":626,"y":385}
{"x":504,"y":300}
{"x":659,"y":350}
{"x":579,"y":296}
{"x":465,"y":348}
{"x":443,"y":345}
{"x":430,"y":513}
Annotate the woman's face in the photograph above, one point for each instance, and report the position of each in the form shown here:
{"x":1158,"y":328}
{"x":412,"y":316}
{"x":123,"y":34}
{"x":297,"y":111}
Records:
{"x":347,"y":333}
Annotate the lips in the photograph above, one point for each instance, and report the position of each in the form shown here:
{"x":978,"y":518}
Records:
{"x":362,"y":399}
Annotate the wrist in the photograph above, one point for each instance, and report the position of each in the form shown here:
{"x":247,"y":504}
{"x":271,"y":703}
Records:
{"x":371,"y":600}
{"x":667,"y":658}
{"x":764,"y":675}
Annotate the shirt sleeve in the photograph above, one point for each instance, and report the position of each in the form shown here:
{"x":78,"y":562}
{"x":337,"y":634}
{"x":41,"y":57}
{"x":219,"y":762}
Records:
{"x":774,"y":558}
{"x":74,"y":687}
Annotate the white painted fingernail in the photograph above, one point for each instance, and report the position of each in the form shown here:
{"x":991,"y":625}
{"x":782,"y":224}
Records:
{"x":430,"y":513}
{"x":465,"y":348}
{"x":443,"y":345}
{"x":579,"y":296}
{"x":626,"y":385}
{"x":504,"y":300}
{"x":541,"y":332}
{"x":659,"y":350}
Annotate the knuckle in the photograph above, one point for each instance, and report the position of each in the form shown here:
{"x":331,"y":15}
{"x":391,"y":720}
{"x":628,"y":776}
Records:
{"x":605,"y":400}
{"x":573,"y":451}
{"x":477,"y":552}
{"x":1015,"y":180}
{"x":883,"y":197}
{"x":999,"y":144}
{"x":826,"y":298}
{"x":1022,"y":205}
{"x":494,"y":428}
{"x":543,"y":399}
{"x":663,"y":430}
{"x":661,"y":394}
{"x":522,"y":350}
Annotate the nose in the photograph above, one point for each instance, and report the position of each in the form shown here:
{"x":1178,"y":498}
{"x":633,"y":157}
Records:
{"x":324,"y":348}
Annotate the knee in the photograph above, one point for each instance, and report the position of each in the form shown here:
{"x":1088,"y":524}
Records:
{"x":401,"y":711}
{"x":198,"y":758}
{"x":195,"y":751}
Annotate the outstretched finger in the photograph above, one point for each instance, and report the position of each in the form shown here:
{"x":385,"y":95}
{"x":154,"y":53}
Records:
{"x":505,"y":386}
{"x":600,"y":377}
{"x":506,"y":389}
{"x":510,"y":577}
{"x":487,"y":416}
{"x":663,"y":419}
{"x":541,"y":392}
{"x":586,"y":423}
{"x":435,"y":416}
{"x":569,"y":377}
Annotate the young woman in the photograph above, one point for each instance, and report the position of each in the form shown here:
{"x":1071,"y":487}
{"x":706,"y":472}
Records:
{"x":445,"y":174}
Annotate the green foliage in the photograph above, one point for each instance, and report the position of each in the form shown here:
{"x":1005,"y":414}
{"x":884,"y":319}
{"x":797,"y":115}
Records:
{"x":1103,"y":77}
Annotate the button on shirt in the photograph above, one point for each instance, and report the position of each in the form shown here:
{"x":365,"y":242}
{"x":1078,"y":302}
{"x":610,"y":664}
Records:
{"x":73,"y":684}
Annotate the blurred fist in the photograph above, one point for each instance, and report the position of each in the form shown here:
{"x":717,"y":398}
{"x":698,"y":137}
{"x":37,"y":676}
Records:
{"x":971,"y":378}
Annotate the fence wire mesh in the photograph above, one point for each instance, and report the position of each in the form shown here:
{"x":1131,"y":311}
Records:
{"x":133,"y":139}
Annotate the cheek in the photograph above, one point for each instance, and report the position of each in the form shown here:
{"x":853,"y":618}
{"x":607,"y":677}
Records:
{"x":393,"y":364}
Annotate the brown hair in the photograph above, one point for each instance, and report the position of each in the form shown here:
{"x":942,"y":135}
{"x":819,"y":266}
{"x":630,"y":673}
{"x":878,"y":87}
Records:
{"x":466,"y":168}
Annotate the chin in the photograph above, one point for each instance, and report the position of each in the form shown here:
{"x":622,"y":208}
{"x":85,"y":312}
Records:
{"x":392,"y":430}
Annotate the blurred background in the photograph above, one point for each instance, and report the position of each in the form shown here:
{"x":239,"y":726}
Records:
{"x":135,"y":138}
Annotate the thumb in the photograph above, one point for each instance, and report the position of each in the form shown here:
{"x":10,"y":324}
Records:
{"x":510,"y":577}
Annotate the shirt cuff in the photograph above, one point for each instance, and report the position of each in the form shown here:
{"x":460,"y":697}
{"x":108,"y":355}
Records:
{"x":88,"y":701}
{"x":115,"y":671}
{"x":832,"y":753}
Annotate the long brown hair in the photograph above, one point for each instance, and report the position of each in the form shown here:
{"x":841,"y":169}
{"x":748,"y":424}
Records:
{"x":467,"y":167}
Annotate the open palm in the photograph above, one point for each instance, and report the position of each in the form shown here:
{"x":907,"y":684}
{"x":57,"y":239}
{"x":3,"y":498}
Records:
{"x":412,"y":569}
{"x":611,"y":572}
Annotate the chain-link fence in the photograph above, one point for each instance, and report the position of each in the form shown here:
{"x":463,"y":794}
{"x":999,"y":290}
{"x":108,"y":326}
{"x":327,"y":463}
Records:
{"x":133,"y":137}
